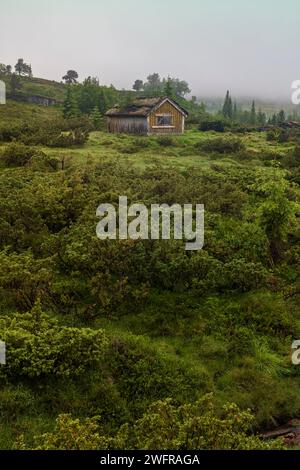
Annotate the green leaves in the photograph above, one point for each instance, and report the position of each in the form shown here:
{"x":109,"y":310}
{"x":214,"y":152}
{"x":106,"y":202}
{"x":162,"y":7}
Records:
{"x":37,"y":346}
{"x":23,"y":279}
{"x":163,"y":426}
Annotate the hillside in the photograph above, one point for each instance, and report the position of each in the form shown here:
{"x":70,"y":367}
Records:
{"x":119,"y":329}
{"x":38,"y":86}
{"x":15,"y":113}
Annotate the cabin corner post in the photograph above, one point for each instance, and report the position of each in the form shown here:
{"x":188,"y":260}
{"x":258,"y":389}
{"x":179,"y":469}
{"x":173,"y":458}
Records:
{"x":148,"y":125}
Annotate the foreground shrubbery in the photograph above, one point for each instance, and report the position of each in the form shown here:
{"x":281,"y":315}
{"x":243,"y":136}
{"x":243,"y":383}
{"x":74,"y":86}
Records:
{"x":221,"y":145}
{"x":17,"y":154}
{"x":117,"y":327}
{"x":163,"y":426}
{"x":37,"y":346}
{"x":56,"y":133}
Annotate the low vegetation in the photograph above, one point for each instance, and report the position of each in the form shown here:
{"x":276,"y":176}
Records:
{"x":140,"y":344}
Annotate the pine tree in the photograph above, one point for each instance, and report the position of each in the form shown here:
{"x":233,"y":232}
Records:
{"x":138,"y":85}
{"x":168,"y":88}
{"x":230,"y":109}
{"x":274,"y":119}
{"x":234,"y":111}
{"x":70,"y":105}
{"x":102,"y":101}
{"x":253,"y":114}
{"x":75,"y":111}
{"x":67,"y":105}
{"x":261,"y":118}
{"x":227,"y":107}
{"x":281,"y":117}
{"x":96,"y":118}
{"x":15,"y":83}
{"x":19,"y":66}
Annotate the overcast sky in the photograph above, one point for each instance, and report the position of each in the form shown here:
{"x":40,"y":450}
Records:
{"x":248,"y":46}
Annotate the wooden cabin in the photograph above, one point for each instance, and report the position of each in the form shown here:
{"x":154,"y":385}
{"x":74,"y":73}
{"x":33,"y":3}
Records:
{"x":147,"y":116}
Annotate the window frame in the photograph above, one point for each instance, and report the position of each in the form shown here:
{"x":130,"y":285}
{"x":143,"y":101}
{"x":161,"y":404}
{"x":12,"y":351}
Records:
{"x":164,"y":126}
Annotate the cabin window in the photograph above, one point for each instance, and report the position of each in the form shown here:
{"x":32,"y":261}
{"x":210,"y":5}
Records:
{"x":164,"y":120}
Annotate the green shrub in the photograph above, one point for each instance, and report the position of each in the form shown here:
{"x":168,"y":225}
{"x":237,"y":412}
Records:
{"x":278,"y":135}
{"x":197,"y":426}
{"x":165,"y":141}
{"x":10,"y":132}
{"x":37,"y":346}
{"x":16,"y":154}
{"x":221,"y":145}
{"x":292,"y":159}
{"x":164,"y":426}
{"x":133,"y":359}
{"x":141,"y":143}
{"x":244,"y":276}
{"x":209,"y":125}
{"x":67,"y":139}
{"x":15,"y":400}
{"x":55,"y":133}
{"x":23,"y":279}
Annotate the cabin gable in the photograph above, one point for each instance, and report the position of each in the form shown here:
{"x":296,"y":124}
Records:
{"x":166,"y":119}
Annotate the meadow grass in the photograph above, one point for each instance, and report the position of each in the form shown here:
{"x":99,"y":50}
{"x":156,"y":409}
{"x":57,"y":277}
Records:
{"x":144,"y":152}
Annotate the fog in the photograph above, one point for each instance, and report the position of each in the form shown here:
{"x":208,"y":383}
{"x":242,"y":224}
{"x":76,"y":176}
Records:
{"x":247,"y":47}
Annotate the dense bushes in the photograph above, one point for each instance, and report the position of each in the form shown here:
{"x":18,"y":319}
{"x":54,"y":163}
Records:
{"x":55,"y":220}
{"x":10,"y":132}
{"x":132,"y":359}
{"x":37,"y":346}
{"x":17,"y":154}
{"x":115,"y":327}
{"x":292,"y":160}
{"x":163,"y":426}
{"x":23,"y":279}
{"x":55,"y":133}
{"x":278,"y":135}
{"x":165,"y":141}
{"x":220,"y":145}
{"x":217,"y":126}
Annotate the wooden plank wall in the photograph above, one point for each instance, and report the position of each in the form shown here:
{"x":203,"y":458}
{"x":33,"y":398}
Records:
{"x":128,"y":125}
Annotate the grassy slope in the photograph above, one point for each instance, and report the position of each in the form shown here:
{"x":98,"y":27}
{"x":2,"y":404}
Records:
{"x":14,"y":112}
{"x":39,"y":86}
{"x":180,"y":155}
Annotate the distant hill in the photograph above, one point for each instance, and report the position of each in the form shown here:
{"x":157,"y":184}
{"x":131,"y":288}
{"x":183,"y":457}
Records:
{"x":32,"y":86}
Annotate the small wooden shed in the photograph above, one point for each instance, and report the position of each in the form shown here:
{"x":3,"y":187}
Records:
{"x":147,"y":116}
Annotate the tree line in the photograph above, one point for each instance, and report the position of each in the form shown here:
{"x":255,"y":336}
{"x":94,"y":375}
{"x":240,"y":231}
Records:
{"x":21,"y":69}
{"x":155,"y":86}
{"x":90,"y":98}
{"x":233,"y":112}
